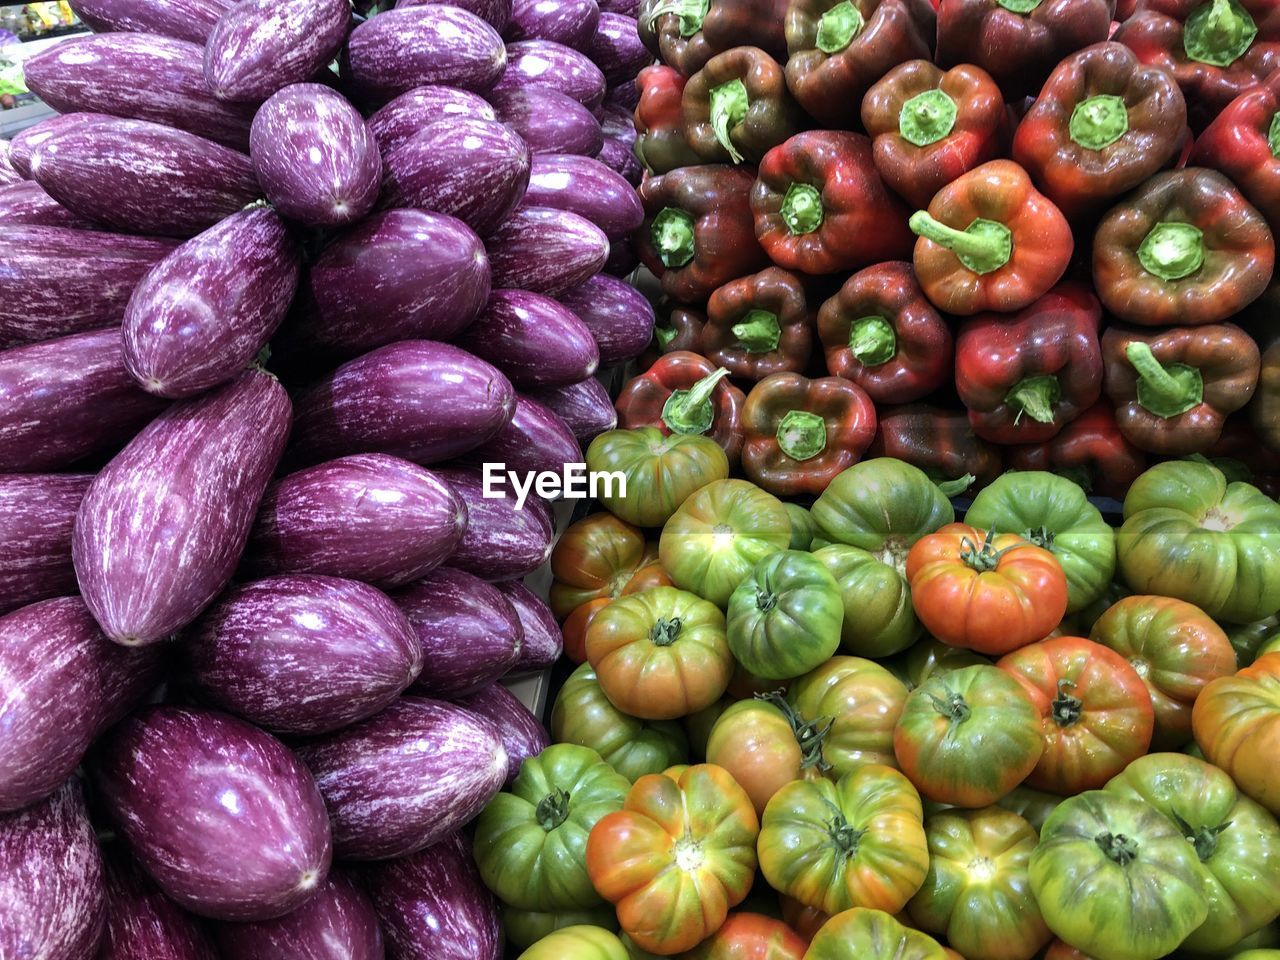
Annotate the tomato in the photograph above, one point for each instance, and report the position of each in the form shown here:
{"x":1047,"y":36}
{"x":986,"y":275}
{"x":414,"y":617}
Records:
{"x":744,"y":685}
{"x":751,"y":936}
{"x":660,"y":472}
{"x":1064,"y":951}
{"x":1034,"y":806}
{"x":784,"y":619}
{"x":802,"y":527}
{"x":576,"y":625}
{"x":717,"y":537}
{"x":577,"y":943}
{"x":862,"y":934}
{"x":1271,"y":646}
{"x":699,"y":726}
{"x":801,"y":918}
{"x":647,"y":577}
{"x":968,"y":737}
{"x":986,"y":593}
{"x":929,"y":657}
{"x":1237,"y":724}
{"x":765,"y":745}
{"x":676,"y":857}
{"x":862,"y":700}
{"x":878,"y":617}
{"x":594,"y":558}
{"x":524,"y":928}
{"x":1248,"y":639}
{"x":1095,"y":709}
{"x":976,"y":892}
{"x":1114,"y":877}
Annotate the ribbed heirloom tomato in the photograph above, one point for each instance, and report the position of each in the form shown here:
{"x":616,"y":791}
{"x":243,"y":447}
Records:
{"x":595,"y":558}
{"x":862,"y":700}
{"x":577,"y":943}
{"x":862,"y":934}
{"x":750,"y":936}
{"x":1237,"y":724}
{"x":878,"y":617}
{"x":661,"y":472}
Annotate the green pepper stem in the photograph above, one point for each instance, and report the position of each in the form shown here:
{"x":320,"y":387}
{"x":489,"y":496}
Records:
{"x":664,"y":336}
{"x":691,"y":411}
{"x":552,"y":810}
{"x":1099,"y":121}
{"x":1172,"y":250}
{"x":1123,"y":850}
{"x":1164,"y":391}
{"x":802,"y":209}
{"x":1273,"y":135}
{"x":953,"y":488}
{"x":673,"y":238}
{"x":758,"y":332}
{"x":872,"y":341}
{"x":690,"y":12}
{"x":984,"y":246}
{"x":1019,"y":6}
{"x":838,"y":26}
{"x":665,"y":631}
{"x":1218,"y":33}
{"x":729,"y":104}
{"x":1035,"y":396}
{"x":802,"y":435}
{"x":926,"y":118}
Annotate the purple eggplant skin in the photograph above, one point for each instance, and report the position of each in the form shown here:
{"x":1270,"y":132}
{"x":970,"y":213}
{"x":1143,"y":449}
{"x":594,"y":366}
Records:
{"x":522,"y":735}
{"x":544,"y":63}
{"x":617,"y":122}
{"x":616,"y":48}
{"x":622,"y":259}
{"x":619,"y":157}
{"x":402,"y":118}
{"x":138,"y":76}
{"x":191,"y":20}
{"x":570,"y":22}
{"x":588,"y":188}
{"x":162,"y":527}
{"x":548,"y":121}
{"x":406,"y":777}
{"x":501,"y":542}
{"x":630,"y":8}
{"x":625,"y":96}
{"x":206,"y":310}
{"x":52,"y":894}
{"x":22,"y":146}
{"x":584,"y":407}
{"x":475,"y":170}
{"x":535,"y":441}
{"x":544,"y":250}
{"x":25,"y":202}
{"x":617,"y":314}
{"x":8,"y":172}
{"x":223,"y":816}
{"x":260,"y":46}
{"x":532,"y":339}
{"x":496,"y":13}
{"x":37,"y":514}
{"x":543,"y":643}
{"x":470,"y":634}
{"x":301,"y":654}
{"x":143,"y":177}
{"x":144,"y":924}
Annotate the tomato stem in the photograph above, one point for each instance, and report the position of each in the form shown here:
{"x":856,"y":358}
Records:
{"x":1123,"y":850}
{"x":954,"y":707}
{"x":553,"y":809}
{"x":766,"y":600}
{"x":845,"y":837}
{"x":809,"y":734}
{"x":1041,"y":536}
{"x":1204,"y":839}
{"x":984,"y":557}
{"x":1066,"y":708}
{"x":664,"y":632}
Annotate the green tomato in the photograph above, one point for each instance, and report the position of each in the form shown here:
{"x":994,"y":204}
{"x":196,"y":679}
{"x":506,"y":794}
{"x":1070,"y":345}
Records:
{"x":785,"y":618}
{"x":862,"y":934}
{"x":858,"y":702}
{"x":1034,"y":806}
{"x":801,"y":527}
{"x":1249,"y":640}
{"x":577,"y":943}
{"x":526,"y":927}
{"x":660,"y":472}
{"x":930,"y":657}
{"x":879,"y":619}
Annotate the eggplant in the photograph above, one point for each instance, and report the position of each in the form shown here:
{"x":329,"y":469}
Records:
{"x":224,"y":817}
{"x":475,"y":170}
{"x":207,"y":309}
{"x":22,"y":146}
{"x":162,"y":527}
{"x":502,"y":542}
{"x":434,"y":906}
{"x":629,"y":7}
{"x":588,"y":188}
{"x":183,"y":19}
{"x":618,"y":122}
{"x":618,"y":315}
{"x":623,"y":96}
{"x":470,"y":634}
{"x":143,"y":177}
{"x":545,"y":251}
{"x":584,"y":407}
{"x":532,"y":339}
{"x":52,"y":896}
{"x":405,"y":778}
{"x":616,"y":48}
{"x":521,"y":733}
{"x":25,"y":202}
{"x":535,"y":441}
{"x":544,"y":63}
{"x":496,"y":13}
{"x":260,"y":46}
{"x":622,"y":259}
{"x":417,"y":399}
{"x":548,"y":121}
{"x":543,"y":643}
{"x":139,"y":76}
{"x":570,"y":22}
{"x":67,"y":398}
{"x":144,"y":924}
{"x":420,"y":107}
{"x":37,"y":514}
{"x":621,"y":159}
{"x":8,"y":172}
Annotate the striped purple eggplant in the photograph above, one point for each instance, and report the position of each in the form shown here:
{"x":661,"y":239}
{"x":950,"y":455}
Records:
{"x":544,"y":250}
{"x":406,"y":777}
{"x":619,"y":157}
{"x":417,"y":399}
{"x":584,"y":407}
{"x":139,"y":76}
{"x":301,"y":654}
{"x":501,"y":542}
{"x":37,"y":514}
{"x":570,"y":22}
{"x":616,"y":48}
{"x":548,"y":121}
{"x":52,"y":895}
{"x":475,"y":170}
{"x":403,"y":117}
{"x":535,"y":441}
{"x":260,"y":46}
{"x":470,"y":634}
{"x":629,"y":7}
{"x":532,"y":339}
{"x":8,"y":172}
{"x":543,"y":63}
{"x":162,"y":527}
{"x":314,"y":156}
{"x":521,"y":733}
{"x":617,"y":122}
{"x":223,"y":816}
{"x":588,"y":188}
{"x":144,"y":924}
{"x":25,"y":202}
{"x":496,"y":13}
{"x":143,"y":177}
{"x":67,"y":398}
{"x":618,"y":315}
{"x":184,"y":19}
{"x":206,"y":310}
{"x":543,"y":643}
{"x":624,"y":96}
{"x":22,"y":146}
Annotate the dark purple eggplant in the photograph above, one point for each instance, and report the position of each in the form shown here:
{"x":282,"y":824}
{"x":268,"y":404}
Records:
{"x":411,"y":112}
{"x":501,"y":542}
{"x":588,"y":188}
{"x":8,"y":172}
{"x":37,"y":514}
{"x":496,"y":13}
{"x":535,"y":441}
{"x":543,"y":63}
{"x":570,"y":22}
{"x":140,"y":76}
{"x":624,"y":96}
{"x":184,"y":19}
{"x":543,"y":643}
{"x":162,"y":527}
{"x":434,"y":906}
{"x":406,"y":777}
{"x":260,"y":46}
{"x":584,"y":407}
{"x":616,"y":313}
{"x":622,"y":258}
{"x":548,"y":121}
{"x":470,"y":634}
{"x":417,"y":399}
{"x":206,"y":310}
{"x":616,"y":48}
{"x":22,"y":146}
{"x":67,"y":398}
{"x":544,"y":250}
{"x":25,"y":202}
{"x":52,"y":895}
{"x":143,"y":177}
{"x":629,"y":7}
{"x":144,"y":924}
{"x":617,"y":122}
{"x":223,"y":816}
{"x":522,"y":735}
{"x":534,"y":340}
{"x":475,"y":170}
{"x":621,"y":159}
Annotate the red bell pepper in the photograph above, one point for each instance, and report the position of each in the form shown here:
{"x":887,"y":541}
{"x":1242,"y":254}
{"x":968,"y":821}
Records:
{"x":1089,"y":450}
{"x":940,"y":442}
{"x":685,"y":34}
{"x":881,"y":332}
{"x":759,"y":325}
{"x":680,"y":329}
{"x":737,"y":107}
{"x":1243,"y":142}
{"x":660,"y":142}
{"x":685,"y":393}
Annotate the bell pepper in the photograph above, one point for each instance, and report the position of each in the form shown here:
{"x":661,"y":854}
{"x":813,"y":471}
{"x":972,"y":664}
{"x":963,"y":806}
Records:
{"x":660,"y":144}
{"x":685,"y":393}
{"x":1183,"y":248}
{"x":1024,"y":376}
{"x":697,"y":234}
{"x":800,"y":433}
{"x":759,"y":325}
{"x":880,"y":332}
{"x":1102,"y":124}
{"x":680,"y":329}
{"x":940,"y":442}
{"x":1174,"y":388}
{"x":990,"y":241}
{"x":1265,"y":410}
{"x":838,"y":48}
{"x":820,"y":207}
{"x":1090,"y":451}
{"x":1241,"y":454}
{"x":1243,"y":142}
{"x":1018,"y":41}
{"x":685,"y":34}
{"x":737,"y":107}
{"x":928,"y":126}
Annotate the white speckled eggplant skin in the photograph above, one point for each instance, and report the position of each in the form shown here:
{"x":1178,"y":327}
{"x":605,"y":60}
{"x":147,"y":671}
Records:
{"x":588,"y":188}
{"x":570,"y":22}
{"x":37,"y":514}
{"x":144,"y":924}
{"x":302,"y":654}
{"x":617,"y":50}
{"x":64,"y":399}
{"x":496,"y":13}
{"x":21,"y":147}
{"x":163,"y":526}
{"x":25,"y":202}
{"x":405,"y":778}
{"x":616,"y":154}
{"x":52,"y":900}
{"x":545,"y":251}
{"x":629,"y":7}
{"x":184,"y":19}
{"x":369,"y":517}
{"x":548,"y":121}
{"x":202,"y":314}
{"x":543,"y":643}
{"x":622,"y":95}
{"x":223,"y":816}
{"x":141,"y":76}
{"x":584,"y":407}
{"x":420,"y":107}
{"x":260,"y":46}
{"x":61,"y":684}
{"x":501,"y":542}
{"x":544,"y":63}
{"x":521,"y":733}
{"x":535,"y":440}
{"x":532,"y":339}
{"x":618,"y":315}
{"x":143,"y":177}
{"x":8,"y":172}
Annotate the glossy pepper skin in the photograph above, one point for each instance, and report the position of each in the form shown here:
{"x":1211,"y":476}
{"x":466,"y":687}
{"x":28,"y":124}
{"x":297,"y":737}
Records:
{"x":1090,"y":450}
{"x":1243,"y":142}
{"x":759,"y":325}
{"x":737,"y":107}
{"x":939,"y":441}
{"x":1265,"y":412}
{"x":660,"y":143}
{"x":990,"y":241}
{"x":1102,"y":124}
{"x":836,"y":49}
{"x":881,"y":332}
{"x":820,"y":207}
{"x":685,"y":34}
{"x":1184,"y":248}
{"x":680,"y":329}
{"x":1174,"y":388}
{"x":698,"y":232}
{"x":928,"y":126}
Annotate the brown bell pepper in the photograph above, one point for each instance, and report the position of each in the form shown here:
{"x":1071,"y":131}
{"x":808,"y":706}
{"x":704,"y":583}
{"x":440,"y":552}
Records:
{"x":1184,"y":248}
{"x":928,"y":126}
{"x":759,"y":325}
{"x":660,"y":144}
{"x":737,"y":107}
{"x":939,"y":441}
{"x":1090,"y":450}
{"x":685,"y":34}
{"x":1174,"y":388}
{"x":679,"y":329}
{"x":685,"y":393}
{"x":1243,"y":142}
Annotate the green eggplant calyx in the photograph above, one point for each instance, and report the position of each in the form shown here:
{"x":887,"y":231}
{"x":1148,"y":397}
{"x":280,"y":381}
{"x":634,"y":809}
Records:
{"x":1099,"y":121}
{"x":758,"y":332}
{"x":1019,"y":6}
{"x":1273,"y":135}
{"x":802,"y":210}
{"x":1123,"y":850}
{"x":690,"y":12}
{"x":665,"y":631}
{"x":729,"y":104}
{"x":552,"y":810}
{"x":926,"y":118}
{"x":983,"y":247}
{"x":953,"y":488}
{"x":838,"y":27}
{"x":802,"y":435}
{"x":1204,"y":839}
{"x":1066,"y":709}
{"x":1218,"y":33}
{"x":809,"y":734}
{"x":872,"y":341}
{"x":691,"y":412}
{"x":984,"y":556}
{"x":844,"y":836}
{"x":1166,"y":391}
{"x":672,"y":234}
{"x":1034,"y":396}
{"x":1040,"y":536}
{"x":664,"y":336}
{"x":1172,"y":250}
{"x":954,"y":707}
{"x":689,"y":855}
{"x":766,"y":600}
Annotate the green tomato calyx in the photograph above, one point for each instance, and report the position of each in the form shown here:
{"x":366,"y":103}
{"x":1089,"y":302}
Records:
{"x":802,"y":435}
{"x":690,"y":12}
{"x":809,"y":734}
{"x":926,"y":118}
{"x":954,"y":707}
{"x":1204,"y":839}
{"x":759,"y":331}
{"x":665,"y":631}
{"x":872,"y":341}
{"x":1035,"y":397}
{"x":801,"y":209}
{"x":729,"y":104}
{"x":1040,"y":536}
{"x":844,"y":836}
{"x":1099,"y":121}
{"x":838,"y":27}
{"x":766,"y":600}
{"x":983,"y":247}
{"x":1066,"y":708}
{"x":983,"y":557}
{"x":1172,"y":250}
{"x":1123,"y":850}
{"x":673,"y":237}
{"x":1164,"y":391}
{"x":691,"y":411}
{"x":1219,"y":33}
{"x":552,"y":810}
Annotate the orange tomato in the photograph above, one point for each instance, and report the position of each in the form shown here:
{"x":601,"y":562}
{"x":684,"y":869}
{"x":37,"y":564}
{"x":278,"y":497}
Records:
{"x":1237,"y":724}
{"x":595,"y":558}
{"x":751,"y":936}
{"x":575,"y":628}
